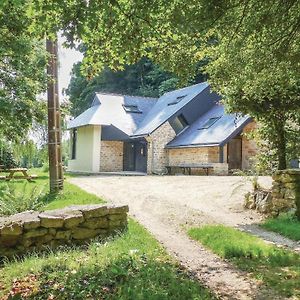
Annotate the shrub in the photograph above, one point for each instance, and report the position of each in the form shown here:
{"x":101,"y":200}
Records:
{"x":13,"y":200}
{"x":6,"y":158}
{"x":45,"y":167}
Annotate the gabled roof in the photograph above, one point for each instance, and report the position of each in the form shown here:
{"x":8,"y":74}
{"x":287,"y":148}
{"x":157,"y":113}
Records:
{"x":226,"y":127}
{"x":107,"y":109}
{"x":166,"y":106}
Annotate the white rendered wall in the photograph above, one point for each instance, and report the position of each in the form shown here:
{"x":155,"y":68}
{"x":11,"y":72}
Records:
{"x":87,"y":150}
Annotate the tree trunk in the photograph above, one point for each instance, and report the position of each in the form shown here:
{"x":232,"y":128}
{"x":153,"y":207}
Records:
{"x":281,"y":145}
{"x":54,"y":123}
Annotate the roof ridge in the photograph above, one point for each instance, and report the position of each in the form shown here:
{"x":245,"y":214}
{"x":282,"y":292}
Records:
{"x":125,"y":95}
{"x":187,"y":87}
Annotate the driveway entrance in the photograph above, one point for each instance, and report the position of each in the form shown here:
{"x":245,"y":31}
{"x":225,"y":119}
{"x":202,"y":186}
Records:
{"x":167,"y":205}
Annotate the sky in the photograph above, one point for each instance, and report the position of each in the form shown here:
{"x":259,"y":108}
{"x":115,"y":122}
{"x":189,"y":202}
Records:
{"x":67,"y":57}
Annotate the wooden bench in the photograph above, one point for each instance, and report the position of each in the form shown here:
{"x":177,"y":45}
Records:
{"x":188,"y":168}
{"x":12,"y":175}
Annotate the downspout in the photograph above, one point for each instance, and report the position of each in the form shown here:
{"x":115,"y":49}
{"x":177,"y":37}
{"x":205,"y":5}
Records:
{"x":221,"y":154}
{"x":150,"y":143}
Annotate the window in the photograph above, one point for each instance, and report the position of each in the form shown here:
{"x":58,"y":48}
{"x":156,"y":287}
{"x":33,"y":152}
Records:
{"x":209,"y":123}
{"x":179,"y":123}
{"x":132,"y":109}
{"x":178,"y":99}
{"x":74,"y":142}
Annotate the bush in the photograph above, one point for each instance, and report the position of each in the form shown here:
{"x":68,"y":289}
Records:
{"x":14,"y":201}
{"x":45,"y":168}
{"x":6,"y":158}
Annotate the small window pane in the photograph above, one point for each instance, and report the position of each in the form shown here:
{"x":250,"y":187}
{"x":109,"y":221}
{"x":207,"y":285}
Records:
{"x":132,"y":109}
{"x":209,"y":123}
{"x":74,"y":142}
{"x":178,"y":99}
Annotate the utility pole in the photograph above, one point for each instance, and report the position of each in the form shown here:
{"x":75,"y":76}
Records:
{"x":54,"y":120}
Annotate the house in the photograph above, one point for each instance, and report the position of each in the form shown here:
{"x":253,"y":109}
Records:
{"x":187,"y":126}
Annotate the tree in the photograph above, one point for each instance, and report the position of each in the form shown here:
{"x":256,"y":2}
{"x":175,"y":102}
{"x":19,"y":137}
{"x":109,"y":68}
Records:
{"x":257,"y":72}
{"x":178,"y":34}
{"x":22,"y":75}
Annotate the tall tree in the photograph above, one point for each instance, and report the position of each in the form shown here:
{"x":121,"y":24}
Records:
{"x":177,"y":34}
{"x":22,"y":75}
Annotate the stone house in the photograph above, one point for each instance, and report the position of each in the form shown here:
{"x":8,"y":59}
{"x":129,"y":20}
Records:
{"x":183,"y":127}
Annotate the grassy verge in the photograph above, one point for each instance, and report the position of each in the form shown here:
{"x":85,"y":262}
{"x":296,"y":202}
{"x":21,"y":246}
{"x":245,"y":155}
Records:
{"x":24,"y":192}
{"x":131,"y":266}
{"x":276,"y":268}
{"x":285,"y":225}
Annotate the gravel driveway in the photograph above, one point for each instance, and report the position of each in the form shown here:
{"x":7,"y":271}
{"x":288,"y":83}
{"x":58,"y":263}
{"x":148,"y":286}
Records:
{"x":166,"y":205}
{"x":178,"y":199}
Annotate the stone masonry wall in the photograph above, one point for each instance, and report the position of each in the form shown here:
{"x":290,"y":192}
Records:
{"x":111,"y":156}
{"x":249,"y":147}
{"x":286,"y":191}
{"x":31,"y":231}
{"x":284,"y":195}
{"x":193,"y":155}
{"x":157,"y":154}
{"x":198,"y":155}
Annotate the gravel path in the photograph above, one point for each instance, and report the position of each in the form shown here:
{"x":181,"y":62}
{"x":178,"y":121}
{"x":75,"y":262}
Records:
{"x":167,"y":205}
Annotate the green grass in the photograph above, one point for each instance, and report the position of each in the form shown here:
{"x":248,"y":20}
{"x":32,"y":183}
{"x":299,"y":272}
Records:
{"x":285,"y":225}
{"x":276,"y":268}
{"x":130,"y":266}
{"x":71,"y":195}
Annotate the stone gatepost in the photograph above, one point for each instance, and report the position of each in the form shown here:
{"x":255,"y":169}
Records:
{"x":286,"y":190}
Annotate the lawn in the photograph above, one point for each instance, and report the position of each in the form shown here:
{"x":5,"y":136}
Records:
{"x":276,"y":268}
{"x":35,"y":195}
{"x":130,"y":266}
{"x":285,"y":225}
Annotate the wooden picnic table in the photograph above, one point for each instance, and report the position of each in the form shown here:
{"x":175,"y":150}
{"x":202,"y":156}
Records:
{"x":188,"y":168}
{"x":12,"y":175}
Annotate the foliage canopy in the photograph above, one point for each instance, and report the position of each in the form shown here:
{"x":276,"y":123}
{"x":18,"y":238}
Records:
{"x":252,"y":48}
{"x":22,"y":75}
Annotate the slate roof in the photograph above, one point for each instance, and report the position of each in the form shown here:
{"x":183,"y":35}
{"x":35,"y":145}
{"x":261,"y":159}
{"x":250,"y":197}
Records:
{"x":225,"y":128}
{"x":107,"y":109}
{"x":161,"y":111}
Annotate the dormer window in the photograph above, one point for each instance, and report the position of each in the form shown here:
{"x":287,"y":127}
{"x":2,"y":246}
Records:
{"x":178,"y":99}
{"x":179,"y":123}
{"x":132,"y":109}
{"x":210,"y":122}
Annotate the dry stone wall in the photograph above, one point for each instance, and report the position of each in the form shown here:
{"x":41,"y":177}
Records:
{"x":28,"y":231}
{"x":284,"y":195}
{"x":286,"y":190}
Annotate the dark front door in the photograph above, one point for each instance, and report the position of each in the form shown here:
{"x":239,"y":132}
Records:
{"x":141,"y":157}
{"x":129,"y":157}
{"x":135,"y":156}
{"x":234,"y":154}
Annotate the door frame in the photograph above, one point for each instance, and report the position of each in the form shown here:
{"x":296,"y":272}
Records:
{"x":134,"y":149}
{"x":125,"y":143}
{"x":228,"y":151}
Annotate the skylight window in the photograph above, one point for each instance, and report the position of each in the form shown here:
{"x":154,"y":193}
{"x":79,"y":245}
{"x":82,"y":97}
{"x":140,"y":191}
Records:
{"x":178,"y":99}
{"x":210,"y":122}
{"x":132,"y":109}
